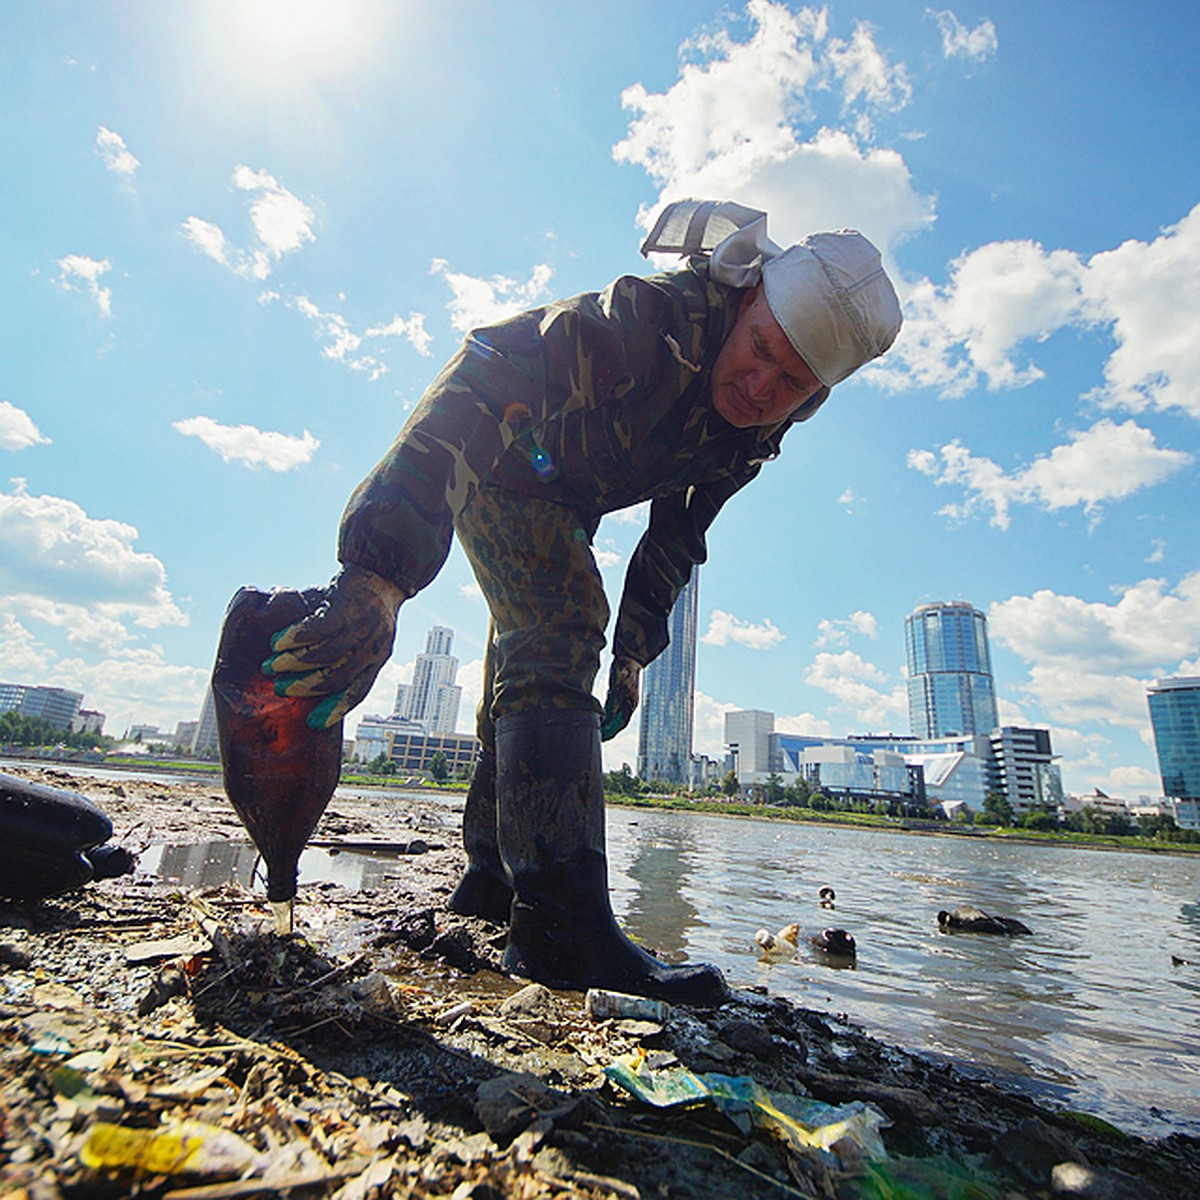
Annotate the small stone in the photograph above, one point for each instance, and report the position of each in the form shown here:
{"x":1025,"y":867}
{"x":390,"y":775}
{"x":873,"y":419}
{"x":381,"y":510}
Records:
{"x":750,"y":1037}
{"x":532,"y":1001}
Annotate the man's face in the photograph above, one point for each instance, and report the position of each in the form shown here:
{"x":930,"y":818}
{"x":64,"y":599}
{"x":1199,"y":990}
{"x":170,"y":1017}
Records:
{"x":758,"y":378}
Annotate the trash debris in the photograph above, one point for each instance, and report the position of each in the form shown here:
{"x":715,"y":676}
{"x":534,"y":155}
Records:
{"x":190,"y":1147}
{"x":50,"y":841}
{"x":806,"y":1125}
{"x":600,"y":1005}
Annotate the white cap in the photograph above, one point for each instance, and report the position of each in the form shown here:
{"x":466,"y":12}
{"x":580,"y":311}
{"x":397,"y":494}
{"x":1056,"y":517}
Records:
{"x":829,"y":291}
{"x":833,"y":299}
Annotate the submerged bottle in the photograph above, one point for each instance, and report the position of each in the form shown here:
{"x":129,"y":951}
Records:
{"x":279,"y":774}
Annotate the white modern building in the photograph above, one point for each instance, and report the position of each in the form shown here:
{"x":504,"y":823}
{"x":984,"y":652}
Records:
{"x":433,"y":698}
{"x":1013,"y":761}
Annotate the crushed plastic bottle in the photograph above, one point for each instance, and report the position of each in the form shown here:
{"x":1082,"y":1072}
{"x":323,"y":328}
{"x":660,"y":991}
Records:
{"x":279,"y":774}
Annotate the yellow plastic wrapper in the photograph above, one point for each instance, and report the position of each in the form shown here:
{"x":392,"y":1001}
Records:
{"x":190,"y":1147}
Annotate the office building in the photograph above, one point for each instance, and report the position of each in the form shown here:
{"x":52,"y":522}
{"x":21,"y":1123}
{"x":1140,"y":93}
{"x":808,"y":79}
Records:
{"x":1024,"y":771}
{"x":962,"y":769}
{"x":410,"y":747}
{"x":58,"y":706}
{"x":1175,"y":719}
{"x":668,"y":697}
{"x":748,"y":742}
{"x":950,"y":687}
{"x":433,"y":696}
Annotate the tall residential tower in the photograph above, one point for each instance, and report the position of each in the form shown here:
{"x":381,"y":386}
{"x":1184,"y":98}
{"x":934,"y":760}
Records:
{"x":433,"y":696}
{"x":665,"y":735}
{"x":950,"y":686}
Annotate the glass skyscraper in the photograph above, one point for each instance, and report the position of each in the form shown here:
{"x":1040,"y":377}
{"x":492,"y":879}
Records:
{"x":950,"y":686}
{"x":668,"y":691}
{"x":1175,"y":718}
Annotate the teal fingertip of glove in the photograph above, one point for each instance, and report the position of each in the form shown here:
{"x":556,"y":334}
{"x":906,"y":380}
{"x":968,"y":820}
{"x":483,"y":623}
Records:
{"x":284,"y":683}
{"x":328,"y":712}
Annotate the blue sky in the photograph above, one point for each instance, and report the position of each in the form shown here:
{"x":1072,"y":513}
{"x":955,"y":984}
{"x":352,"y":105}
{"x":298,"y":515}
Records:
{"x":239,"y":239}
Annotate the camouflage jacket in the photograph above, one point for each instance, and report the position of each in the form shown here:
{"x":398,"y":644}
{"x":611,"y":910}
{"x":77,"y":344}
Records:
{"x":598,"y":402}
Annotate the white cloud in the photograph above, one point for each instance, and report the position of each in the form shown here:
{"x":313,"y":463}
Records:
{"x":17,"y":430}
{"x":126,"y":684}
{"x":1106,"y":462}
{"x":999,"y":296}
{"x":251,"y":446}
{"x":479,"y":302}
{"x":62,"y":567}
{"x":638,"y":514}
{"x":839,"y":631}
{"x":412,"y":329}
{"x":859,"y":688}
{"x":1002,"y":296}
{"x":77,"y":272}
{"x":1158,"y":551}
{"x":281,"y":221}
{"x":960,"y":42}
{"x":1092,"y":662}
{"x":1154,"y":364}
{"x":344,"y":346}
{"x":341,"y":342}
{"x":724,"y":628}
{"x":111,"y":147}
{"x":865,"y":72}
{"x":209,"y":238}
{"x":731,"y":126}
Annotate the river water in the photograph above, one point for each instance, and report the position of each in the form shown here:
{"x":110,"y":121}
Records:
{"x":1089,"y":1012}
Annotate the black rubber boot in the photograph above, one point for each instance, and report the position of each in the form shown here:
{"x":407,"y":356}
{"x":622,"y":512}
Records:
{"x":483,"y":890}
{"x":550,"y":790}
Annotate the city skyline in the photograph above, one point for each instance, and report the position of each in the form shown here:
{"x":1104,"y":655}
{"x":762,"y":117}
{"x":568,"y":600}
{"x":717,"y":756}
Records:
{"x":240,"y":240}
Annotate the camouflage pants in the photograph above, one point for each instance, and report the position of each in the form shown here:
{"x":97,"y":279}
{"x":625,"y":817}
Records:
{"x":534,"y":564}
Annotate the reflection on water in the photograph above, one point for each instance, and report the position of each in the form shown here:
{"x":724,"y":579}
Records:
{"x":1089,"y":1010}
{"x":211,"y":864}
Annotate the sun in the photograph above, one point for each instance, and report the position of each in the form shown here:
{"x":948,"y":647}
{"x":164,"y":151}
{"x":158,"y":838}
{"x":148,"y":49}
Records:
{"x":282,"y":45}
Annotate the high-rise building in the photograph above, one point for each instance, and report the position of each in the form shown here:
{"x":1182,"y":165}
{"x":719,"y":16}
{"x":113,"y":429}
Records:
{"x":433,"y":696}
{"x":665,"y":731}
{"x":206,"y":744}
{"x":1175,"y":718}
{"x":950,"y":686}
{"x":58,"y":706}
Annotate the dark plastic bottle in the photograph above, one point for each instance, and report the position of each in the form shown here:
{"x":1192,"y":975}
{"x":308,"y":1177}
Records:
{"x":279,"y":774}
{"x":44,"y":832}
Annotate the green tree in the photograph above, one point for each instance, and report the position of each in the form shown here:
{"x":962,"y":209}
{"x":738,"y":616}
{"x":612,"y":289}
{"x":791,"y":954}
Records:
{"x":439,"y":768}
{"x":996,"y":809}
{"x":381,"y":765}
{"x":623,"y":782}
{"x":773,"y":791}
{"x":729,"y":784}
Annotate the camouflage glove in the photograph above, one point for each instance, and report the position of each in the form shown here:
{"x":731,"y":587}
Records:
{"x":337,"y":651}
{"x":622,"y":698}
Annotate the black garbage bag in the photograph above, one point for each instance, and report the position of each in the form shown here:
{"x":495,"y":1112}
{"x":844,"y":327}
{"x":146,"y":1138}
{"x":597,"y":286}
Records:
{"x":45,"y":836}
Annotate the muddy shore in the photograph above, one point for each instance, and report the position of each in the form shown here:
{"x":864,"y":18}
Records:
{"x":380,"y":1052}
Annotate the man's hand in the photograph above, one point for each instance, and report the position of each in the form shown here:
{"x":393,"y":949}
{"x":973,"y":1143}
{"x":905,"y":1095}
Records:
{"x":622,"y":698}
{"x":337,"y":652}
